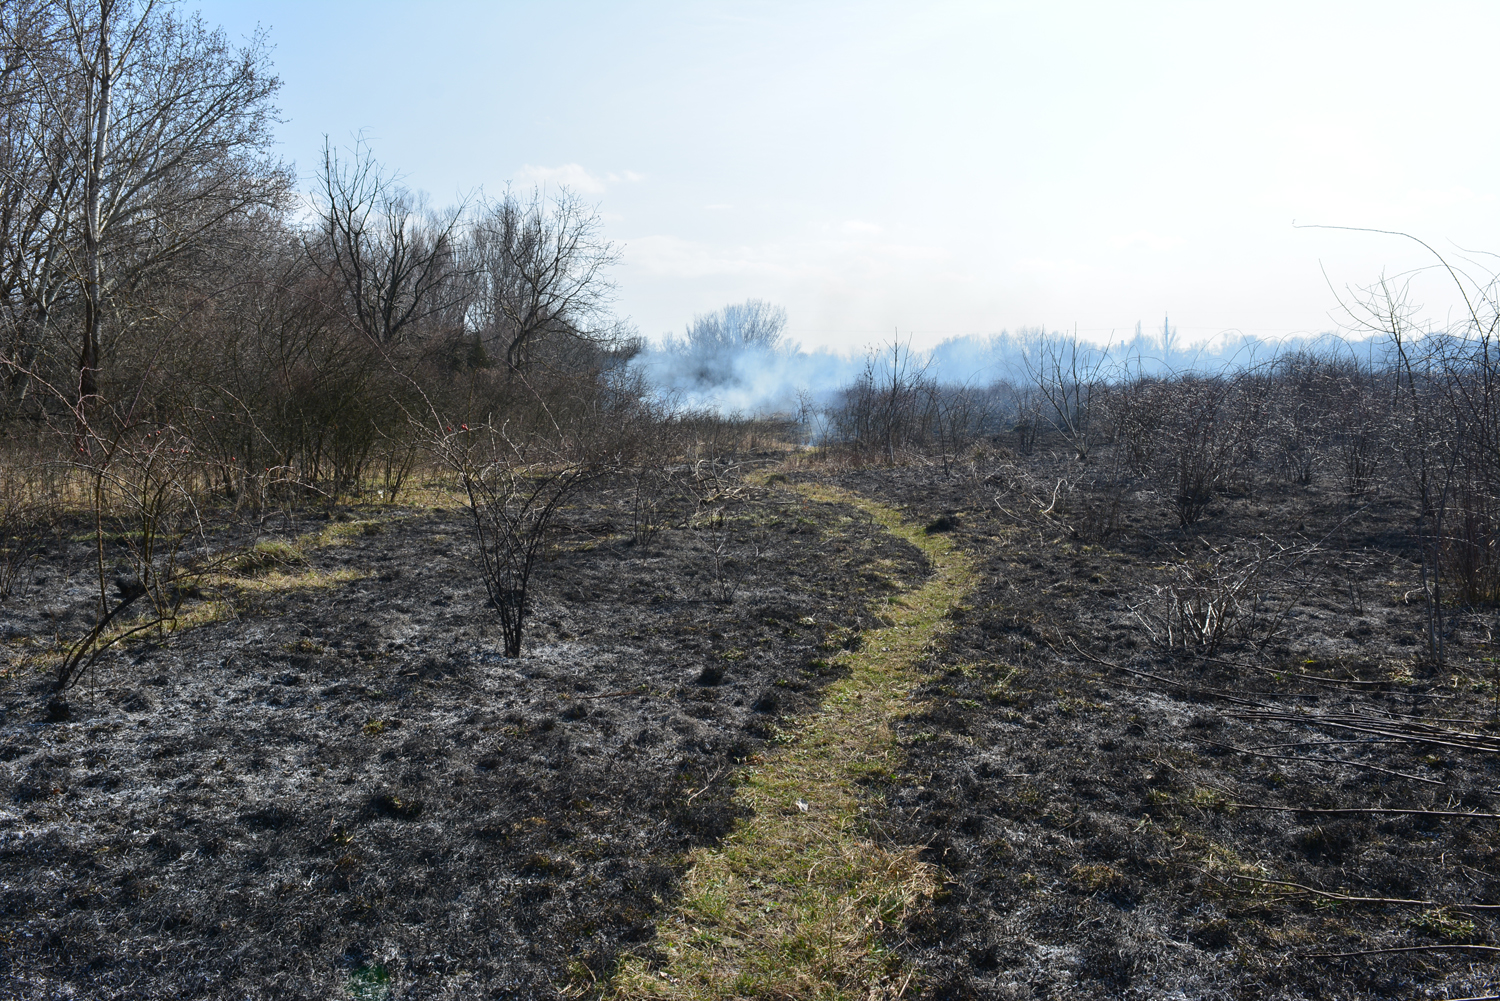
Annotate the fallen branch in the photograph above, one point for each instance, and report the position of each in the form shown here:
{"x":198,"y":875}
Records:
{"x":1367,"y":810}
{"x":1415,"y":733}
{"x":615,"y":695}
{"x":1217,"y":693}
{"x":1346,"y":898}
{"x":711,"y":779}
{"x":1404,"y":948}
{"x":1294,"y":674}
{"x":1336,"y":761}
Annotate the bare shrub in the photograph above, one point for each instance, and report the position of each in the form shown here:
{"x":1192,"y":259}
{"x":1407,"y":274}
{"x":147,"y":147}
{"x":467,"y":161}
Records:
{"x":889,"y":410}
{"x":1444,"y":430}
{"x":1086,"y":508}
{"x":26,"y":517}
{"x":1139,"y":411}
{"x":1092,"y":508}
{"x":1210,"y":602}
{"x":654,"y":476}
{"x":1195,"y":451}
{"x":1359,"y":424}
{"x":1068,"y":376}
{"x":145,"y":507}
{"x":1299,"y":416}
{"x":715,"y":482}
{"x":514,"y":487}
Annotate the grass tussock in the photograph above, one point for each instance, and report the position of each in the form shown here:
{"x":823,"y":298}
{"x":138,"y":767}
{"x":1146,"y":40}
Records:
{"x":799,"y":901}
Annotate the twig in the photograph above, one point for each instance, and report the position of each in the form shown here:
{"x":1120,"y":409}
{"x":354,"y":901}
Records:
{"x":717,"y":772}
{"x":613,"y":695}
{"x":1335,"y":761}
{"x":1367,"y":810}
{"x":1405,"y":948}
{"x":1293,"y":674}
{"x":1361,"y":900}
{"x":1215,"y":692}
{"x":1412,"y":733}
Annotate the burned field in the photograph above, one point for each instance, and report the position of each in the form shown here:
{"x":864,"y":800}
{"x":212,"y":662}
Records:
{"x":1130,"y":797}
{"x":1144,"y":758}
{"x":338,"y":784}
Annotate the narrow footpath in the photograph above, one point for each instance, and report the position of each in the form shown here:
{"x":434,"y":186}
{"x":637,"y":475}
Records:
{"x":798,"y":901}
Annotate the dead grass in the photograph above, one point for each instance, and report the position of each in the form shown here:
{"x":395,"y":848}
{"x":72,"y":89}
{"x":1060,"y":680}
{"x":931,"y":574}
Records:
{"x":799,"y":900}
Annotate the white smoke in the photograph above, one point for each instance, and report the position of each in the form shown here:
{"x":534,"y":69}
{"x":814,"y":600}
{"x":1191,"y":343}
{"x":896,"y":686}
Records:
{"x":736,"y":360}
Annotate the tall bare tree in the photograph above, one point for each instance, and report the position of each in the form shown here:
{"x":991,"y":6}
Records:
{"x":543,"y":267}
{"x":38,"y":190}
{"x":141,"y":133}
{"x":394,"y":262}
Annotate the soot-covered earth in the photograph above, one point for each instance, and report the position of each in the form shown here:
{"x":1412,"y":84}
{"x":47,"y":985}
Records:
{"x":1273,"y":810}
{"x":1149,"y":761}
{"x":338,"y":786}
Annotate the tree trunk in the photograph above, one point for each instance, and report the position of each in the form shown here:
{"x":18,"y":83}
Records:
{"x":88,"y":356}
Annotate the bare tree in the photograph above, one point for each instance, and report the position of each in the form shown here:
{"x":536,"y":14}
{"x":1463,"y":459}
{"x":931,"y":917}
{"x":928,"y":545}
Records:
{"x":394,"y":261}
{"x":714,"y":344}
{"x":141,"y":133}
{"x":543,"y":271}
{"x":37,"y":191}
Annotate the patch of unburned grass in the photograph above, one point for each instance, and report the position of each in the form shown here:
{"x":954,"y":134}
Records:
{"x":434,"y":494}
{"x":266,"y":556}
{"x":273,"y":565}
{"x":311,"y":579}
{"x":797,"y":901}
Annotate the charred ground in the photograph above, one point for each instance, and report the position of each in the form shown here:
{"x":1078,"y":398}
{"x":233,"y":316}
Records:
{"x":341,"y":784}
{"x":338,"y":783}
{"x":1117,"y":812}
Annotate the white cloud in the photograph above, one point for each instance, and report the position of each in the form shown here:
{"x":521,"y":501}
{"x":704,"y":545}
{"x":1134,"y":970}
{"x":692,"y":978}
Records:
{"x":574,"y":177}
{"x":676,"y":257}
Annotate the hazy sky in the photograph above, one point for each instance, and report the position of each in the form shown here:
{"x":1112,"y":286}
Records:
{"x":937,"y":168}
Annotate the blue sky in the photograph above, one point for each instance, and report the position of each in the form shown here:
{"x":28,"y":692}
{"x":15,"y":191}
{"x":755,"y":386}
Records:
{"x":936,"y":168}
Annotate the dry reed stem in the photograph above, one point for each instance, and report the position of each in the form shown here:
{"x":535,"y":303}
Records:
{"x":798,"y":900}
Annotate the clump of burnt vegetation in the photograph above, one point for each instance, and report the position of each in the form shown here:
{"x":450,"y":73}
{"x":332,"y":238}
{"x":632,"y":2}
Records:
{"x":1223,"y":718}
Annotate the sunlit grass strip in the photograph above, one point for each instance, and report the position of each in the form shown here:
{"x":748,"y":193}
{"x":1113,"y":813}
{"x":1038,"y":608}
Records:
{"x":795,"y":903}
{"x":442,"y":493}
{"x":279,"y":581}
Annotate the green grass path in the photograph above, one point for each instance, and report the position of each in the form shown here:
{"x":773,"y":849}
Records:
{"x":796,"y":902}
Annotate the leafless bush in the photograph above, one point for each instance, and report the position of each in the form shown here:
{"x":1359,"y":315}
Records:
{"x":714,"y":481}
{"x":1210,"y":602}
{"x":1297,"y":424}
{"x":515,"y":487}
{"x":1068,"y":375}
{"x":1086,"y":508}
{"x":889,"y":410}
{"x":1359,"y":423}
{"x":1139,"y":410}
{"x":652,"y":457}
{"x":1195,"y":449}
{"x":145,"y":507}
{"x":965,"y":414}
{"x":1444,"y":429}
{"x":26,"y":517}
{"x":1092,"y":508}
